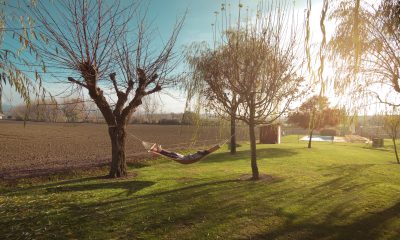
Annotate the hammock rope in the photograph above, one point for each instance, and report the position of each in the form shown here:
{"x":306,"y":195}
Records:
{"x":224,"y":140}
{"x":183,"y":159}
{"x":147,"y":145}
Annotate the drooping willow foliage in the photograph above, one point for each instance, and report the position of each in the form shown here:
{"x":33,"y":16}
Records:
{"x":15,"y":70}
{"x":317,"y":80}
{"x":365,"y":48}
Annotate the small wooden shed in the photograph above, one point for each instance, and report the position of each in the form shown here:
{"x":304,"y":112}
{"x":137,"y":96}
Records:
{"x":270,"y":134}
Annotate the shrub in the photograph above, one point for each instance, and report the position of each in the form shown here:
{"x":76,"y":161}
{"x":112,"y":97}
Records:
{"x":328,"y":132}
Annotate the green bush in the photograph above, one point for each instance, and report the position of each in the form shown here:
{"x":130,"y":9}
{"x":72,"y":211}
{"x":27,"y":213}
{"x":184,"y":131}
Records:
{"x":328,"y":132}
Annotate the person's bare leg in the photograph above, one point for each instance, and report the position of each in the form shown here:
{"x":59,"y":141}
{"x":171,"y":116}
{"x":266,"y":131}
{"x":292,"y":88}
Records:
{"x":213,"y":149}
{"x":156,"y":148}
{"x":153,"y":148}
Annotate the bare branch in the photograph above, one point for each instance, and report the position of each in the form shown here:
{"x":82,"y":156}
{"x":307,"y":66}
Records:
{"x":71,"y":79}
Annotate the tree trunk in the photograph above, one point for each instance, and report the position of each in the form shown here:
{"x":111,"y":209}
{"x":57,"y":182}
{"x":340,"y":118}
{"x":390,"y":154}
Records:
{"x":254,"y":167}
{"x":233,"y":135}
{"x":118,"y":162}
{"x":309,"y":141}
{"x":312,"y":126}
{"x":395,"y":150}
{"x":1,"y":102}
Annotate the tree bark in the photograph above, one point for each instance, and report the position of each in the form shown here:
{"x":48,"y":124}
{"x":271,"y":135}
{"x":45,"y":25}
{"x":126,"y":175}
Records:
{"x":1,"y":101}
{"x":252,"y":135}
{"x":254,"y":167}
{"x":311,"y":134}
{"x":118,"y":162}
{"x":395,"y":150}
{"x":312,"y":126}
{"x":233,"y":135}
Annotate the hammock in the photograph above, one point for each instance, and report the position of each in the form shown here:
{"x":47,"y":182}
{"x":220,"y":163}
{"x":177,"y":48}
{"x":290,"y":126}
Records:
{"x":179,"y":158}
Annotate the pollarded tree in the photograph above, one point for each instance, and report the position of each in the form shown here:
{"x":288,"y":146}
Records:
{"x":97,"y":49}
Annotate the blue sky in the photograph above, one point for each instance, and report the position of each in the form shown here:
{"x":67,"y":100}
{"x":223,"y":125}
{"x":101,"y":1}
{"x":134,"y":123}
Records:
{"x":200,"y":16}
{"x":197,"y":27}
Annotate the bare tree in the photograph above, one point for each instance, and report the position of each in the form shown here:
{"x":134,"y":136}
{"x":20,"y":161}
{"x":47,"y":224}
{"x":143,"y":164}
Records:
{"x":269,"y":83}
{"x":18,"y":112}
{"x":94,"y":44}
{"x":49,"y":109}
{"x":73,"y":109}
{"x":39,"y":110}
{"x":392,"y":128}
{"x":211,"y":78}
{"x":367,"y":44}
{"x":150,"y":107}
{"x":256,"y":62}
{"x":384,"y":63}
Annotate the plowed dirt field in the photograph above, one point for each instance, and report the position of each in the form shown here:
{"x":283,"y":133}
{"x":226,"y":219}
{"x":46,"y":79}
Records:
{"x":43,"y":148}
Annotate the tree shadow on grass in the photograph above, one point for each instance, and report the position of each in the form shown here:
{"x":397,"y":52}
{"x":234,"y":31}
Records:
{"x":190,"y":188}
{"x":261,"y":153}
{"x":208,"y":206}
{"x":184,"y":207}
{"x":22,"y":190}
{"x":344,"y":178}
{"x":130,"y":186}
{"x":371,"y":226}
{"x":138,"y":164}
{"x":368,"y":226}
{"x":195,"y":190}
{"x":381,"y":149}
{"x":346,"y":169}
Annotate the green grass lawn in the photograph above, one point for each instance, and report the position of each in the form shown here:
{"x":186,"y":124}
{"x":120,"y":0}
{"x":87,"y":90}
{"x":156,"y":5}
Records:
{"x":332,"y":191}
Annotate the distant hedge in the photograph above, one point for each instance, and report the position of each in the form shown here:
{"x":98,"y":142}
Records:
{"x":169,"y":122}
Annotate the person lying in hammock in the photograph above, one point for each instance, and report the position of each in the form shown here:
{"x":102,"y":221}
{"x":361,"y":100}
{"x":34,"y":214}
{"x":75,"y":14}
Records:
{"x":184,"y":159}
